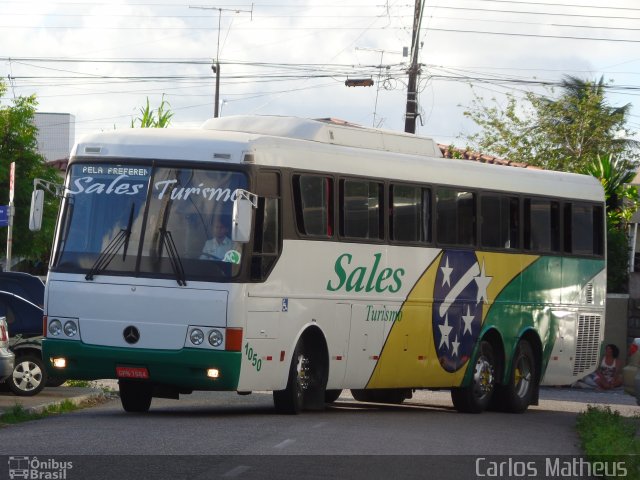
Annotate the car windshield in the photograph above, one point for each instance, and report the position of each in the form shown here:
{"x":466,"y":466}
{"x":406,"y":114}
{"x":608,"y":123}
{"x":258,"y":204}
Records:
{"x":149,"y":221}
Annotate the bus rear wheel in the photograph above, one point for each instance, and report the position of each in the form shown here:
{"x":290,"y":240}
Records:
{"x":516,"y":396}
{"x":475,"y":397}
{"x":135,"y":396}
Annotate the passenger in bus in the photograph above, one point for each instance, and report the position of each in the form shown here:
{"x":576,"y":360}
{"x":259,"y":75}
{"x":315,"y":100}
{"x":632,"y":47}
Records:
{"x":217,"y":247}
{"x":609,"y":373}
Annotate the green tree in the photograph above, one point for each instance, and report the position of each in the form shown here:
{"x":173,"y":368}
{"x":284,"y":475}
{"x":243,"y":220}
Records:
{"x":18,"y":143}
{"x":563,"y":133}
{"x":154,"y":119}
{"x":621,"y":197}
{"x":622,"y":201}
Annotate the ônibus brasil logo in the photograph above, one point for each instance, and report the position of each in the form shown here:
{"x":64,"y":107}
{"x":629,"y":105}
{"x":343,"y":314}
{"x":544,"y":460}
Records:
{"x":37,"y":468}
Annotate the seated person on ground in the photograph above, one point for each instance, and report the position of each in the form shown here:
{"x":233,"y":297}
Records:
{"x":609,"y":373}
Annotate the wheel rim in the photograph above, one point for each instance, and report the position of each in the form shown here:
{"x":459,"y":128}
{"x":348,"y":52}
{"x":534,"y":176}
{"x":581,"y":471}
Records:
{"x":303,"y":377}
{"x":483,"y":378}
{"x":522,"y":376}
{"x":27,"y":376}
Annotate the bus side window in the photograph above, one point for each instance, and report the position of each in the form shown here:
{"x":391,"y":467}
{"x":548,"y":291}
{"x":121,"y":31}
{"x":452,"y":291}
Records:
{"x":598,"y":230}
{"x":455,"y":217}
{"x":361,"y":208}
{"x":410,"y":214}
{"x":583,"y":229}
{"x":500,"y":227}
{"x":542,"y":225}
{"x":313,"y":205}
{"x":266,"y":243}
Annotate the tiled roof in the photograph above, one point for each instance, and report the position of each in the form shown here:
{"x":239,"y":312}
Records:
{"x":59,"y":164}
{"x":453,"y":152}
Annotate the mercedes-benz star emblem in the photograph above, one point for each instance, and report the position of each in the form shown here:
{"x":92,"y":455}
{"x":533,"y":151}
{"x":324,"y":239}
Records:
{"x":131,"y":334}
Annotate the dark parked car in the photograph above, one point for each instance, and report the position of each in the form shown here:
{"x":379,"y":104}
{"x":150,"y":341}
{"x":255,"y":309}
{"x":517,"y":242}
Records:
{"x":21,"y":300}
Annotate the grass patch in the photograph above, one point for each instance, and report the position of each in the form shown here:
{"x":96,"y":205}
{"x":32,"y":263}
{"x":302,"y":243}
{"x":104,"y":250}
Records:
{"x":79,"y":383}
{"x":606,"y":436}
{"x":88,"y":384}
{"x":18,"y":414}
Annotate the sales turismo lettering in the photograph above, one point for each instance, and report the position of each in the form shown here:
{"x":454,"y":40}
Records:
{"x":367,"y":278}
{"x":549,"y":468}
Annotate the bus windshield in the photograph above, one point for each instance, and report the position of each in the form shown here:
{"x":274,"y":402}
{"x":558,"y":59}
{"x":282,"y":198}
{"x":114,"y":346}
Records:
{"x":149,"y":221}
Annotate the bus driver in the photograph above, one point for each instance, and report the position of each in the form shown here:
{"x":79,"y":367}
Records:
{"x":217,"y":247}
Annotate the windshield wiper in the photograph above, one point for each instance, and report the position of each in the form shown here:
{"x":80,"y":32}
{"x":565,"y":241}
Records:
{"x":176,"y":264}
{"x":112,"y":248}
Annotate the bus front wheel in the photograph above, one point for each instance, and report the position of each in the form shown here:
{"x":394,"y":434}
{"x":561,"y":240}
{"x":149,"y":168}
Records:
{"x":475,"y":397}
{"x":306,"y":382}
{"x":135,"y":396}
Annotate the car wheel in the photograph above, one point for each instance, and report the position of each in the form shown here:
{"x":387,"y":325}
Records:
{"x":29,"y":376}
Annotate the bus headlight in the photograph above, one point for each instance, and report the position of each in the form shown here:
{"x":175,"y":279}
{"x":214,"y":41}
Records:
{"x":215,"y":338}
{"x":197,"y":336}
{"x":70,"y":328}
{"x":55,"y":327}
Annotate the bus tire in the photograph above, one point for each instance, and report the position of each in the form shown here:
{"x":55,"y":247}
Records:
{"x":135,"y":396}
{"x":516,"y":395}
{"x":476,"y":397}
{"x":331,"y":396}
{"x":290,"y":401}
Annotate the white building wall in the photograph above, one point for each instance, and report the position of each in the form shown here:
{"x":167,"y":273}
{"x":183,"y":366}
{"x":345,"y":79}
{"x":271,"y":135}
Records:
{"x":56,"y":134}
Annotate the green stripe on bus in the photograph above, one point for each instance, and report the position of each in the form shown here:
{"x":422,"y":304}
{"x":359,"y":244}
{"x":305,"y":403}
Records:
{"x":526,"y":302}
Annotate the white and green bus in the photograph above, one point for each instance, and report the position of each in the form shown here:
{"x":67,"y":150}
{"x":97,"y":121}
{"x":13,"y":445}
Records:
{"x":305,"y":257}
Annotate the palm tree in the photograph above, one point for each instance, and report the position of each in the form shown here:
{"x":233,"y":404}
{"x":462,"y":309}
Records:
{"x":151,"y":119}
{"x":615,"y":176}
{"x":584,"y":126}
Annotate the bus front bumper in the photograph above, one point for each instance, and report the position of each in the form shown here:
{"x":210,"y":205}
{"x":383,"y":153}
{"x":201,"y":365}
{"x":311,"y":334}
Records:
{"x":186,"y":368}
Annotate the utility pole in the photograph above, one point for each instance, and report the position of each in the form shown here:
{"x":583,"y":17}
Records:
{"x":414,"y":70}
{"x":216,"y":66}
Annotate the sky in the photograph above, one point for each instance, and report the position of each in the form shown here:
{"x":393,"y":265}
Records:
{"x":102,"y":60}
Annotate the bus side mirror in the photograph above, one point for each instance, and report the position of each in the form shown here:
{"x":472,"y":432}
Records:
{"x":35,"y":214}
{"x":241,"y":220}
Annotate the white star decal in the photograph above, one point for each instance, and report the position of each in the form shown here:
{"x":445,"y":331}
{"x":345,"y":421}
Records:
{"x":468,"y":320}
{"x":455,"y":344}
{"x":483,"y":282}
{"x":445,"y":330}
{"x":446,"y":272}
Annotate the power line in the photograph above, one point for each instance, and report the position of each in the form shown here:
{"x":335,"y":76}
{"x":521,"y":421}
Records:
{"x":561,"y":5}
{"x":531,"y":35}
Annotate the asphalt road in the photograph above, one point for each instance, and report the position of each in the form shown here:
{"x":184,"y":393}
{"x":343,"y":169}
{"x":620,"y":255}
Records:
{"x":222,"y":435}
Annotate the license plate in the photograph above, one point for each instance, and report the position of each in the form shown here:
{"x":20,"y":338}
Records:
{"x":132,"y":372}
